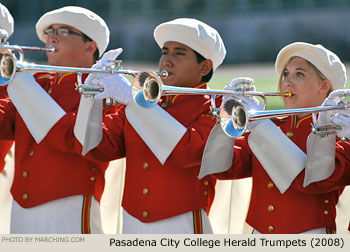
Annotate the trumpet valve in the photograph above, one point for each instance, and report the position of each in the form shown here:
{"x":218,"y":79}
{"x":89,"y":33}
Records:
{"x":115,"y":65}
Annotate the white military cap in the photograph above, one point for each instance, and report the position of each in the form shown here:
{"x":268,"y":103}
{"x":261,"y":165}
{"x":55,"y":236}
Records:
{"x":80,"y":18}
{"x":195,"y":34}
{"x":6,"y":20}
{"x":324,"y":60}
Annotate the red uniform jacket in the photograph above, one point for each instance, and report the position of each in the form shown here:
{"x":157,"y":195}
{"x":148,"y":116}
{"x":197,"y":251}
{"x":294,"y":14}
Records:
{"x":42,"y":172}
{"x":299,"y":209}
{"x":5,"y":146}
{"x":153,"y":191}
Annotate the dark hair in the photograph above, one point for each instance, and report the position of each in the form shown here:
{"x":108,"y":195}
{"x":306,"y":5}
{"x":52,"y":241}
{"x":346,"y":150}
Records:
{"x":200,"y":59}
{"x":88,"y":39}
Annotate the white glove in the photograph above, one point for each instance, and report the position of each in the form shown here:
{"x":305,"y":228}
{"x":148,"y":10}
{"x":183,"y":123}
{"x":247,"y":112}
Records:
{"x":238,"y":84}
{"x":103,"y":63}
{"x":114,"y":86}
{"x":325,"y":117}
{"x":251,"y":105}
{"x":343,"y":120}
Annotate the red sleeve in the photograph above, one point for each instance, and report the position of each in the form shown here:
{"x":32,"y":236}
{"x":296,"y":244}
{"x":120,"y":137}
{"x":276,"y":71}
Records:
{"x":3,"y":92}
{"x":111,"y":147}
{"x":7,"y":119}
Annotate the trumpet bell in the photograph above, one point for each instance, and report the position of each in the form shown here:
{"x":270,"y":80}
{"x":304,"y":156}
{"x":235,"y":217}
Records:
{"x":233,"y":118}
{"x":146,"y":89}
{"x":8,"y":67}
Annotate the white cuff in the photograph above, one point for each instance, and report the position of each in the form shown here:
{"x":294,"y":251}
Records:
{"x":320,"y":158}
{"x":280,"y":157}
{"x":218,"y":152}
{"x":88,"y":125}
{"x":38,"y":110}
{"x":158,"y":129}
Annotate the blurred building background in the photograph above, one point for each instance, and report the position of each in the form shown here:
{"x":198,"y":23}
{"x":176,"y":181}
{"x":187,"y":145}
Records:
{"x":252,"y":30}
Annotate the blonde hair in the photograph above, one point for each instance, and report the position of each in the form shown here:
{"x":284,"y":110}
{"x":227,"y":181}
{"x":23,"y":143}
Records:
{"x":318,"y":73}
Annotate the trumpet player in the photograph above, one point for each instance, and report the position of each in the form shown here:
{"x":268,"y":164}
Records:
{"x":297,"y":175}
{"x":54,"y":191}
{"x":163,"y":145}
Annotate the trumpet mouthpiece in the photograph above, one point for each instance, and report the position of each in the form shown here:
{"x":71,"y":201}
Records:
{"x":163,"y":74}
{"x":287,"y":94}
{"x":51,"y":49}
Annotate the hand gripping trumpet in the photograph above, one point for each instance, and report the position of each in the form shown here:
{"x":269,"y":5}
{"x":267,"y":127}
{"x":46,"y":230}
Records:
{"x":148,"y":88}
{"x":234,"y":117}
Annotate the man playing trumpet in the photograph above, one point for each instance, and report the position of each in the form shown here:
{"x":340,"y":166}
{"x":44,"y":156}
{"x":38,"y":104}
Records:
{"x":54,"y":191}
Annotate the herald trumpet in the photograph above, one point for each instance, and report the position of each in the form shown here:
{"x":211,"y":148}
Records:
{"x":20,"y":49}
{"x":234,"y":117}
{"x":148,"y":88}
{"x":10,"y":65}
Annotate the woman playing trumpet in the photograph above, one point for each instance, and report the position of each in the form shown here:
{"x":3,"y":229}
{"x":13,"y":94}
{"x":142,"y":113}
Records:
{"x":297,"y":175}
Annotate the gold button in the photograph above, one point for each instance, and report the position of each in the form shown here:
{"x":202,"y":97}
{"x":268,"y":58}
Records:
{"x":145,"y":191}
{"x":205,"y":182}
{"x":145,"y":214}
{"x":270,"y":208}
{"x":50,"y":90}
{"x":93,"y":168}
{"x":326,"y":212}
{"x":270,"y":185}
{"x":92,"y":178}
{"x":290,"y":134}
{"x":205,"y":193}
{"x":145,"y":166}
{"x":25,"y":174}
{"x":326,"y":201}
{"x":25,"y":196}
{"x":31,"y":153}
{"x":164,"y":104}
{"x":271,"y":229}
